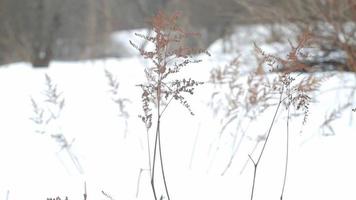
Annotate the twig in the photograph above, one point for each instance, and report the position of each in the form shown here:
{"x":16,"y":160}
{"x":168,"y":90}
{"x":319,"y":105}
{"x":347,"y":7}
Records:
{"x":75,"y":160}
{"x":253,"y":151}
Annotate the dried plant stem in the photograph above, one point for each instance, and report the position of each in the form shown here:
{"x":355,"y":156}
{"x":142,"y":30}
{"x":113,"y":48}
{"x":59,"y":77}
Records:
{"x":139,"y":180}
{"x":154,"y":162}
{"x":149,"y":153}
{"x":270,"y":128}
{"x":159,"y":115}
{"x":254,"y":176}
{"x":255,"y":163}
{"x":75,"y":160}
{"x":236,"y":148}
{"x":162,"y":168}
{"x":287,"y":156}
{"x":85,"y":195}
{"x":158,"y":145}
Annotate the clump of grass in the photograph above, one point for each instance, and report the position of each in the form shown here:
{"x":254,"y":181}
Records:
{"x":47,"y":114}
{"x":168,"y":57}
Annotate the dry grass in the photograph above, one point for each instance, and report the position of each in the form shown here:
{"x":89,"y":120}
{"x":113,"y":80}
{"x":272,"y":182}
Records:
{"x":168,"y":57}
{"x":46,"y":116}
{"x":117,"y":99}
{"x":277,"y":82}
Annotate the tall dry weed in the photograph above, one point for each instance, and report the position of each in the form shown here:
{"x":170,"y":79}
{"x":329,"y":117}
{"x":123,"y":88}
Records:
{"x":276,"y":83}
{"x":168,"y":57}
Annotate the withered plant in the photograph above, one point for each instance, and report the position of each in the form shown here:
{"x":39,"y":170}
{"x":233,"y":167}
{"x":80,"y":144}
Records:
{"x":167,"y":58}
{"x":277,"y":82}
{"x":46,"y":116}
{"x":291,"y":89}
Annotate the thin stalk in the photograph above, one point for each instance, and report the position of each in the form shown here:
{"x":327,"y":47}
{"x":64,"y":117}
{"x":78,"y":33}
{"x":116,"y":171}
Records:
{"x":165,"y":107}
{"x":138,"y":181}
{"x":158,"y":143}
{"x":254,"y":176}
{"x":149,"y":153}
{"x":264,"y":143}
{"x":154,"y":162}
{"x":287,"y":157}
{"x":159,"y":114}
{"x":237,"y":146}
{"x":253,"y":150}
{"x":162,"y":168}
{"x":270,"y":128}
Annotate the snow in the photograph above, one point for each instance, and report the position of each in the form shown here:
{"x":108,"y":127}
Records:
{"x":33,"y":166}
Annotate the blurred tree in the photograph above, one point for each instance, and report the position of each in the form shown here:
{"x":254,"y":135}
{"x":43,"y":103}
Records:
{"x":38,"y":31}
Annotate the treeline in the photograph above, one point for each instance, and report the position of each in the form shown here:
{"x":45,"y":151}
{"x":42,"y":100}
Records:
{"x":38,"y":31}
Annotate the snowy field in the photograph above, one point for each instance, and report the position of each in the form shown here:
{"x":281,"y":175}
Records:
{"x":109,"y":150}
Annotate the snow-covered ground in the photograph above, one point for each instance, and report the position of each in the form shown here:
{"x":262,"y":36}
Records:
{"x":111,"y":155}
